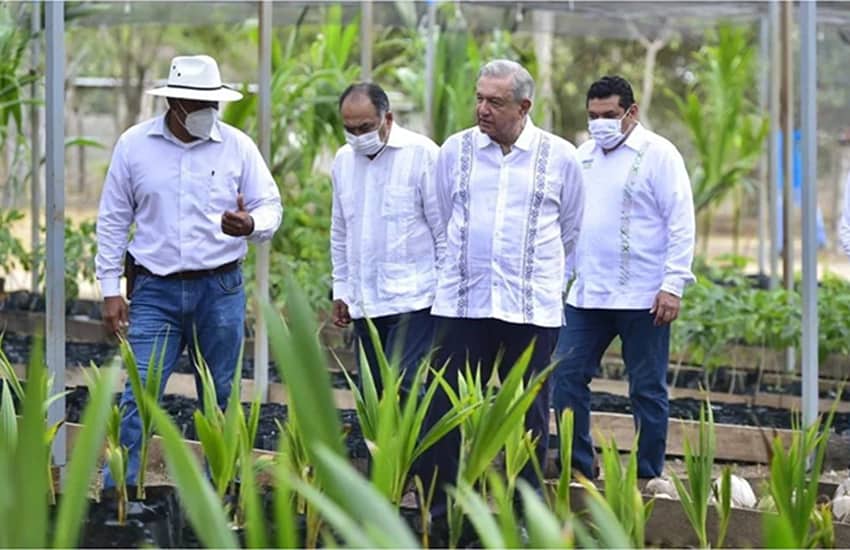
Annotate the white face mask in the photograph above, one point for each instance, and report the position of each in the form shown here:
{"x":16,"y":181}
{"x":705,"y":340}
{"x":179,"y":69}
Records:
{"x":365,"y":144}
{"x":607,"y":132}
{"x":200,"y":123}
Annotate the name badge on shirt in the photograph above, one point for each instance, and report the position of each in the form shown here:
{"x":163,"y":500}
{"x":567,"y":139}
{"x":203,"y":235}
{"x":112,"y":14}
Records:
{"x":587,"y":163}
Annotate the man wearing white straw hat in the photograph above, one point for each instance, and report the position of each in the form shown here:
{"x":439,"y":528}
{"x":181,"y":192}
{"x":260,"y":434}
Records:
{"x":197,"y":190}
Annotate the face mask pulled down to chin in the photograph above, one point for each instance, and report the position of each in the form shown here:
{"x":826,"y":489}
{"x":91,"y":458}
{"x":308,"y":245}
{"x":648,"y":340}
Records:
{"x":367,"y":144}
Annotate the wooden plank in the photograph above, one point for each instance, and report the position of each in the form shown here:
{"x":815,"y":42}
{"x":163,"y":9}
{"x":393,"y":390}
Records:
{"x":778,"y":400}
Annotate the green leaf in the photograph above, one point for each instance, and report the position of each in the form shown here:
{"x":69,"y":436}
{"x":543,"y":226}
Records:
{"x":202,"y":505}
{"x":83,"y":462}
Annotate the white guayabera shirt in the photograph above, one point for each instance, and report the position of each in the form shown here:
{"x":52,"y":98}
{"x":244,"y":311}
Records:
{"x":512,"y":222}
{"x":637,"y":236}
{"x":386,"y":231}
{"x":176,"y":193}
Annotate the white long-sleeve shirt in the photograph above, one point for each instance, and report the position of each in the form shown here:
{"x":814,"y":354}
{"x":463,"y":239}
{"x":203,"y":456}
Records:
{"x":386,"y":230}
{"x":844,"y":229}
{"x":512,"y":222}
{"x":637,"y":235}
{"x":176,"y":193}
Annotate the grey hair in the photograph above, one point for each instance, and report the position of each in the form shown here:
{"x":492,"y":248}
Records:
{"x":501,"y":68}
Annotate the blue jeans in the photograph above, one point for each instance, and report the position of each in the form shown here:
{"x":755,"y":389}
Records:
{"x":585,"y":336}
{"x":166,"y":315}
{"x":406,"y":338}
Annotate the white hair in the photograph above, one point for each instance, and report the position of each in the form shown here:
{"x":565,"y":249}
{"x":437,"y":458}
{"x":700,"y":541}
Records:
{"x":501,"y":68}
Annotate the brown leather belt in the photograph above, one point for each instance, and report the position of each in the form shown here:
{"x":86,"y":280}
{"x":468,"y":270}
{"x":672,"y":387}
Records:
{"x":188,"y":275}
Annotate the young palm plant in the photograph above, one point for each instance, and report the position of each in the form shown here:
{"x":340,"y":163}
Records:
{"x":698,"y":465}
{"x":490,"y":425}
{"x":116,"y":458}
{"x":24,"y":457}
{"x":150,"y":387}
{"x":393,"y":427}
{"x":794,"y":476}
{"x":621,"y":493}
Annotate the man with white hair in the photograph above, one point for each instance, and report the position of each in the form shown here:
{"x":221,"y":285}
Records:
{"x":512,"y":196}
{"x":197,"y":190}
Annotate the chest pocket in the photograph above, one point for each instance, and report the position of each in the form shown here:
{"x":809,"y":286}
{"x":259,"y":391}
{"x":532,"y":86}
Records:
{"x":214,"y":190}
{"x":399,"y":201}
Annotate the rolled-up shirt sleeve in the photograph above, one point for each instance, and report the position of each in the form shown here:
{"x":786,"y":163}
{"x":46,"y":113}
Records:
{"x":260,"y":192}
{"x":114,"y":218}
{"x":675,"y":199}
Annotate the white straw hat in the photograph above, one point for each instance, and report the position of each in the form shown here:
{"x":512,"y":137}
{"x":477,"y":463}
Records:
{"x":196,"y":77}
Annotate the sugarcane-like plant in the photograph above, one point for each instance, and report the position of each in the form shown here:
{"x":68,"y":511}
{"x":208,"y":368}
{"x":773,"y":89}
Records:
{"x":150,"y":387}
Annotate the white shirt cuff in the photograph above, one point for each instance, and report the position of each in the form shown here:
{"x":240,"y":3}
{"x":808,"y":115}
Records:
{"x":674,"y":286}
{"x":110,"y":286}
{"x":341,"y":292}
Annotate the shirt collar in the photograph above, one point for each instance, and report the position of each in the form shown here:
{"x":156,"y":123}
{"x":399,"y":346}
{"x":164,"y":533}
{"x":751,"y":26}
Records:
{"x":637,"y":138}
{"x":160,"y":128}
{"x":398,"y":136}
{"x":524,"y":142}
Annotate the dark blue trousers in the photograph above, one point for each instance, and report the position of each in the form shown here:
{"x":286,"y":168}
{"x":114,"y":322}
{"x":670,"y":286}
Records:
{"x":585,"y":336}
{"x":406,"y":338}
{"x":479,"y":341}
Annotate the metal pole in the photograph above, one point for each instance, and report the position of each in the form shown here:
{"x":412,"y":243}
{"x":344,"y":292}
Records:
{"x":764,"y":181}
{"x":809,"y":115}
{"x":35,"y":142}
{"x":55,"y":219}
{"x":366,"y":40}
{"x":773,"y":148}
{"x":787,"y":121}
{"x":264,"y":115}
{"x":430,"y":54}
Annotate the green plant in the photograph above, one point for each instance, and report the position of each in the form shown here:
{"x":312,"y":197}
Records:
{"x":150,"y":387}
{"x":794,"y":476}
{"x":80,"y":252}
{"x":723,"y":500}
{"x":698,"y":466}
{"x":24,"y":499}
{"x":12,"y":252}
{"x":621,"y":494}
{"x":7,"y":371}
{"x":722,"y":117}
{"x":393,"y":427}
{"x":116,"y":458}
{"x":220,"y":432}
{"x":498,"y":413}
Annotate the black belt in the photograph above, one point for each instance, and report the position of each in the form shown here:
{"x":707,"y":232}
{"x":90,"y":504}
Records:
{"x":197,"y":274}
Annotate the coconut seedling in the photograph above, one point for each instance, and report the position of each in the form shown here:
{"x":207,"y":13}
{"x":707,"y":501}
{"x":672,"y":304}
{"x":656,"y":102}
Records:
{"x":145,"y":392}
{"x":496,"y":415}
{"x":220,"y":432}
{"x":24,"y":457}
{"x":698,"y":466}
{"x":621,"y":494}
{"x":395,"y":427}
{"x":795,"y":471}
{"x":7,"y":371}
{"x":116,"y":458}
